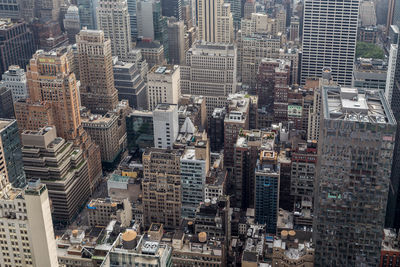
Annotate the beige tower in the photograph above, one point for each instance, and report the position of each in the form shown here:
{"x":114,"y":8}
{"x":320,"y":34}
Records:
{"x":53,"y":95}
{"x":40,"y":226}
{"x":27,"y":228}
{"x":113,"y":19}
{"x":162,"y":187}
{"x":215,"y":21}
{"x":96,"y":73}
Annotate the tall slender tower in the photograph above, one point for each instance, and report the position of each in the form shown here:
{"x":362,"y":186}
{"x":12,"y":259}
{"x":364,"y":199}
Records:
{"x":27,"y":227}
{"x":113,"y":19}
{"x":96,"y":72}
{"x":356,"y":142}
{"x":329,"y":39}
{"x":215,"y":21}
{"x":392,"y":93}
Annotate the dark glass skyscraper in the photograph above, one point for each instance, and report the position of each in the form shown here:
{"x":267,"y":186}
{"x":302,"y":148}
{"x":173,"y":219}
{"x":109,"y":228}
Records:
{"x":355,"y":150}
{"x":392,"y":93}
{"x":87,"y":14}
{"x":16,"y":44}
{"x":172,"y":8}
{"x":12,"y":152}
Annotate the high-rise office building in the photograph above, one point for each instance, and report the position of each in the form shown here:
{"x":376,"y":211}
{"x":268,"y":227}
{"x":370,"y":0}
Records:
{"x":163,"y":85}
{"x":267,"y":183}
{"x":216,"y":129}
{"x":16,"y":44}
{"x":355,"y":151}
{"x":152,"y":52}
{"x":165,"y":125}
{"x":132,"y":7}
{"x":130,"y":84}
{"x":6,"y":103}
{"x":392,"y":93}
{"x":15,"y":80}
{"x":322,"y":48}
{"x":139,"y":130}
{"x":236,"y":120}
{"x":152,"y":26}
{"x":272,"y":75}
{"x":113,"y":19}
{"x":49,"y":70}
{"x":97,"y":89}
{"x":104,"y":131}
{"x":87,"y":14}
{"x":210,"y":71}
{"x":27,"y":227}
{"x":393,"y":16}
{"x":195,"y":164}
{"x":172,"y":8}
{"x":251,"y":50}
{"x":11,"y":146}
{"x":236,"y":10}
{"x":62,"y":168}
{"x":215,"y":21}
{"x":176,"y":41}
{"x":302,"y":176}
{"x":72,"y":24}
{"x":162,"y":187}
{"x":246,"y":153}
{"x":249,"y":8}
{"x":145,"y":22}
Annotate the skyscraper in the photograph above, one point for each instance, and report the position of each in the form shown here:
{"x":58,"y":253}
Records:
{"x":15,"y":80}
{"x":132,"y":7}
{"x":172,"y":8}
{"x":97,"y":89}
{"x":62,"y":168}
{"x":87,"y":14}
{"x":267,"y":183}
{"x":215,"y":21}
{"x":393,"y":17}
{"x":16,"y":44}
{"x":161,"y":187}
{"x":210,"y":71}
{"x":352,"y":177}
{"x":165,"y":125}
{"x":27,"y":228}
{"x":392,"y":93}
{"x":11,"y":145}
{"x":329,"y":39}
{"x":163,"y":85}
{"x":113,"y":19}
{"x":60,"y":106}
{"x":71,"y":23}
{"x":195,"y":163}
{"x":236,"y":120}
{"x":236,"y":10}
{"x":176,"y":41}
{"x":151,"y":24}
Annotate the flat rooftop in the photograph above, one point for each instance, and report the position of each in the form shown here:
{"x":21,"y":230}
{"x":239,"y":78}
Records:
{"x":163,"y":69}
{"x":98,"y":119}
{"x":165,"y":107}
{"x":42,"y":131}
{"x":265,"y":140}
{"x":212,"y":49}
{"x":358,"y":105}
{"x":5,"y":122}
{"x":239,"y":105}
